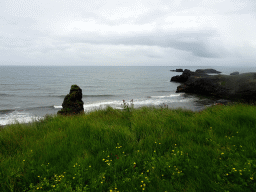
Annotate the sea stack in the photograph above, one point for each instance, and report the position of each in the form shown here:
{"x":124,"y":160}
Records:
{"x":72,"y":104}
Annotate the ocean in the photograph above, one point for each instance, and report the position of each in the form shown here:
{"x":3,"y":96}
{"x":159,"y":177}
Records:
{"x":28,"y":93}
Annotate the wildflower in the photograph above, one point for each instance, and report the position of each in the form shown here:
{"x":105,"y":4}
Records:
{"x":142,"y":181}
{"x":154,"y":151}
{"x":159,"y":143}
{"x":37,"y":188}
{"x":138,"y":150}
{"x":251,"y":178}
{"x":227,"y":174}
{"x":134,"y":163}
{"x":73,"y":177}
{"x":147,"y":170}
{"x":90,"y":166}
{"x":24,"y":160}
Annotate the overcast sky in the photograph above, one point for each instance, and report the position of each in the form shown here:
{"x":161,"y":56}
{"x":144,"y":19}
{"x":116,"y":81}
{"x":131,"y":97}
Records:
{"x":134,"y":32}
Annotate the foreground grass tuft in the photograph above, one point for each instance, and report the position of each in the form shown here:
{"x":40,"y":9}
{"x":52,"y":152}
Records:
{"x":144,"y":149}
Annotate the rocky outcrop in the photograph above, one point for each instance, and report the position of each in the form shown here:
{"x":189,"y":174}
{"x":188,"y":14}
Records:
{"x":72,"y":103}
{"x":235,"y":73}
{"x":186,"y":74}
{"x":235,"y":87}
{"x":177,"y":70}
{"x":207,"y":71}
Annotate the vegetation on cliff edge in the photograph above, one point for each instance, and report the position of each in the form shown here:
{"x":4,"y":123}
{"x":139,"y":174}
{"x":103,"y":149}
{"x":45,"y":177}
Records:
{"x":146,"y":149}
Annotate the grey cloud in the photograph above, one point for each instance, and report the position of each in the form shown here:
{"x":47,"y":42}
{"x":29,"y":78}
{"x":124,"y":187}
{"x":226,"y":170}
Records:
{"x":194,"y":42}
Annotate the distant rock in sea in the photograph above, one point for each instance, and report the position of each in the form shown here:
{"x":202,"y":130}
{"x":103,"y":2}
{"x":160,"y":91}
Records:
{"x":72,"y":103}
{"x":207,"y":71}
{"x":235,"y":73}
{"x":177,"y":70}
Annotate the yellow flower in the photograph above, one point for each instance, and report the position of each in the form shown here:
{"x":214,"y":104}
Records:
{"x":24,"y":160}
{"x":142,"y":181}
{"x":90,"y":166}
{"x":251,"y":178}
{"x":73,"y":177}
{"x":222,"y":153}
{"x":138,"y":150}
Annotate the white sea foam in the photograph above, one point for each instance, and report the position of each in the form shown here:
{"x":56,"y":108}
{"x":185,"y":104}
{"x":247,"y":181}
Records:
{"x":166,"y":96}
{"x":17,"y":117}
{"x":57,"y":107}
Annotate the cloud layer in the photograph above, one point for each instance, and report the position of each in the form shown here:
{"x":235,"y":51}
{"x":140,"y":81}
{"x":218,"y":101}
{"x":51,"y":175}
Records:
{"x":151,"y":32}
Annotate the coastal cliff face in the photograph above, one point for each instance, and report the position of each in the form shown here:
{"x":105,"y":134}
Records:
{"x":233,"y":87}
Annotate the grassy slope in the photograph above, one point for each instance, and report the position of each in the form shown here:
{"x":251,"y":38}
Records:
{"x":139,"y":150}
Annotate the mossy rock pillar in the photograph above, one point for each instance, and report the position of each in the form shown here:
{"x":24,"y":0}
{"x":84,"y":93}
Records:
{"x":72,"y":104}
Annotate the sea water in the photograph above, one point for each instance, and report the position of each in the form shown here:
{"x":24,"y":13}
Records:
{"x":28,"y":93}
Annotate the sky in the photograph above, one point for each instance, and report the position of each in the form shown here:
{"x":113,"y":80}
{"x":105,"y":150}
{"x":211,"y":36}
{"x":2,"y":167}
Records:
{"x":128,"y":33}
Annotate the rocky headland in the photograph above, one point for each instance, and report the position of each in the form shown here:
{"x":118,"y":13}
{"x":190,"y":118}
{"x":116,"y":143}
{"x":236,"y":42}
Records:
{"x":235,"y":87}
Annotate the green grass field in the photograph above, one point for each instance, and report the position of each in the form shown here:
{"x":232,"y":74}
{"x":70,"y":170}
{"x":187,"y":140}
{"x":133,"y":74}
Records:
{"x":146,"y":149}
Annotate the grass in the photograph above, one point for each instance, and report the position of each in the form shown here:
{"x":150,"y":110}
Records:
{"x":146,"y":149}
